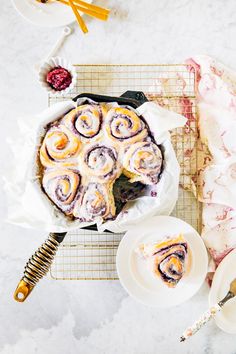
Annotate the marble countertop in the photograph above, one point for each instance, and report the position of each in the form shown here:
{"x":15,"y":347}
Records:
{"x":99,"y":317}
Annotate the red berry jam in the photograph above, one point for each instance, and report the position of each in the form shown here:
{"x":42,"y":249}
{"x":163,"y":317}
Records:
{"x":59,"y":78}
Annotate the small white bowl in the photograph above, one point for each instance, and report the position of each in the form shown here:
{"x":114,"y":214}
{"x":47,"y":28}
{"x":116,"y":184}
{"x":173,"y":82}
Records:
{"x":51,"y":64}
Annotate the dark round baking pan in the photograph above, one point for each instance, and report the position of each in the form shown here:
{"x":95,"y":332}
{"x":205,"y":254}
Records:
{"x":39,"y":264}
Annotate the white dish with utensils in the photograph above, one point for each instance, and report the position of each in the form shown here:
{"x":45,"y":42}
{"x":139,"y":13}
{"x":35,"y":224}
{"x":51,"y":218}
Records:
{"x":140,"y":282}
{"x":53,"y":14}
{"x":225,"y":273}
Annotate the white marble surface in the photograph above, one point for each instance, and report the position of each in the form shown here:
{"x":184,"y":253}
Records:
{"x":99,"y":317}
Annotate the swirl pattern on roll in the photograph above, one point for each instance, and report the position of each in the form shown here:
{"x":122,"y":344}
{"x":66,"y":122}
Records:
{"x":142,"y":162}
{"x":59,"y":147}
{"x":170,"y":263}
{"x":61,"y":186}
{"x":123,"y":125}
{"x":100,"y":162}
{"x":95,"y":202}
{"x":170,"y":259}
{"x":85,"y":120}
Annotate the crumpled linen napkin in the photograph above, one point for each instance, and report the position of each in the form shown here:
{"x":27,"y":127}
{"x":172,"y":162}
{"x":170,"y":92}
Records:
{"x":216,"y":95}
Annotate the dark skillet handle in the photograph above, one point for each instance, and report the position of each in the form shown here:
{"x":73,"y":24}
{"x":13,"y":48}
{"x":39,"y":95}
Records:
{"x":138,"y":96}
{"x":130,"y":98}
{"x":38,"y":265}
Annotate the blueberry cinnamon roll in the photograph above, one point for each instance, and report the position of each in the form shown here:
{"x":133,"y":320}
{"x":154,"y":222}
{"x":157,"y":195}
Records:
{"x":142,"y":162}
{"x":85,"y":120}
{"x":59,"y":148}
{"x":124,"y":126}
{"x":100,"y":163}
{"x":170,"y":259}
{"x":61,"y":187}
{"x":96,"y":201}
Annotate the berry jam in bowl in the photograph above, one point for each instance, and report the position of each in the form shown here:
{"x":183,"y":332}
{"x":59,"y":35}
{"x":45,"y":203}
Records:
{"x":57,"y":76}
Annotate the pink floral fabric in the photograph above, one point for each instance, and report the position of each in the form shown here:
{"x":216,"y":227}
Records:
{"x":215,"y":168}
{"x":216,"y":96}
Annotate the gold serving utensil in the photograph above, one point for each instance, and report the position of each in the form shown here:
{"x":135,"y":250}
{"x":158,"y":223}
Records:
{"x":76,"y":13}
{"x":93,"y":13}
{"x":82,"y":6}
{"x":78,"y":17}
{"x":208,"y":315}
{"x":93,"y":7}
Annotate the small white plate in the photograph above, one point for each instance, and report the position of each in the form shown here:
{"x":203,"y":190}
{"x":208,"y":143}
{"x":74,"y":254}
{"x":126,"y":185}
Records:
{"x":225,"y":273}
{"x":136,"y":277}
{"x":45,"y":15}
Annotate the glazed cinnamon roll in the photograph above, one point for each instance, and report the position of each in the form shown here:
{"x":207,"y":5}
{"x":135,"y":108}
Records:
{"x":142,"y":162}
{"x":61,"y":186}
{"x":85,"y":120}
{"x":95,"y":202}
{"x":59,"y":147}
{"x":100,"y":163}
{"x":124,"y":126}
{"x":170,"y":259}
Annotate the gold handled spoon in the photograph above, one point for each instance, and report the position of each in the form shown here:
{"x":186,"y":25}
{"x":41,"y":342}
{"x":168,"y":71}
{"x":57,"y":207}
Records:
{"x":208,"y":315}
{"x":78,"y":17}
{"x":76,"y":13}
{"x":88,"y":9}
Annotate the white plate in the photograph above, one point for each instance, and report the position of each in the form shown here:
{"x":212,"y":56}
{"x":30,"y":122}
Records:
{"x":45,"y":15}
{"x":139,"y":281}
{"x":225,"y":273}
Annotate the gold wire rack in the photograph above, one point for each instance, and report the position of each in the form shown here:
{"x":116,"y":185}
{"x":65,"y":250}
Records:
{"x":89,"y":255}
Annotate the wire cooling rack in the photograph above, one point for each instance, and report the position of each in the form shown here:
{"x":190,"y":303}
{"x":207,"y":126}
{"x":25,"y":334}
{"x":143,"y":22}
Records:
{"x":90,"y":255}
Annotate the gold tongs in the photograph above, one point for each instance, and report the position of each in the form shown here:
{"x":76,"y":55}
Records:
{"x":82,"y":6}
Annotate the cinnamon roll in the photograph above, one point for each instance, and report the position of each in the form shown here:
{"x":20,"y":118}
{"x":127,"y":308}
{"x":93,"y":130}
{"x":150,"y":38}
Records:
{"x":124,"y":126}
{"x":61,"y":186}
{"x":170,"y":259}
{"x":59,"y":147}
{"x":100,"y":163}
{"x":142,"y":162}
{"x":95,"y":202}
{"x":85,"y":120}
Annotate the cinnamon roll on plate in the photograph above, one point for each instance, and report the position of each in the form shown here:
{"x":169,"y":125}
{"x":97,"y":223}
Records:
{"x":162,"y":262}
{"x":170,"y":259}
